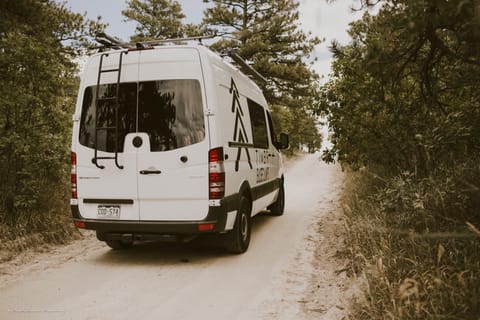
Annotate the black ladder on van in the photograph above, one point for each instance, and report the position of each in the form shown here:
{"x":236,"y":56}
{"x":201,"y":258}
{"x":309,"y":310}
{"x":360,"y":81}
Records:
{"x":115,"y":105}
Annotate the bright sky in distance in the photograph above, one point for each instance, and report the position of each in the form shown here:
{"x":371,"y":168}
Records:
{"x":326,"y":21}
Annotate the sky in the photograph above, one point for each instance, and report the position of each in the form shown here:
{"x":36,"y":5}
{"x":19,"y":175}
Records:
{"x":326,"y":21}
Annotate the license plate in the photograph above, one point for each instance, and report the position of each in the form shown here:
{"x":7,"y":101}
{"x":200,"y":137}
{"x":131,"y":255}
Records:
{"x":112,"y":212}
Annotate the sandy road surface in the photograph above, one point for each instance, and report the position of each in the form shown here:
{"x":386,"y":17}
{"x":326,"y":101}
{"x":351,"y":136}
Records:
{"x":287,"y":273}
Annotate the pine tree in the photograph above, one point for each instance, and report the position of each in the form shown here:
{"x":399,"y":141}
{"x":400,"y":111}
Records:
{"x":266,"y":34}
{"x":156,"y":19}
{"x":39,"y":40}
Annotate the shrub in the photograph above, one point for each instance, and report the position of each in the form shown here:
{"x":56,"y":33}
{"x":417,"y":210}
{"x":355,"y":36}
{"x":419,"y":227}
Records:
{"x":410,"y":241}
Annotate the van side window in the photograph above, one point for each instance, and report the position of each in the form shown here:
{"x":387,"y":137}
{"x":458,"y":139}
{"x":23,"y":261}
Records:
{"x":169,"y":111}
{"x":259,"y":125}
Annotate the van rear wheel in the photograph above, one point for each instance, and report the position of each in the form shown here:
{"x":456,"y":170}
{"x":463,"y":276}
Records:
{"x":239,"y":238}
{"x":119,"y":244}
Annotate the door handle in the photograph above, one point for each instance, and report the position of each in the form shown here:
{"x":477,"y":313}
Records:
{"x":150,"y":172}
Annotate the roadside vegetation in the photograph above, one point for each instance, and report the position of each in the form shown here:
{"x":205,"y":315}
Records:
{"x":403,"y":103}
{"x":40,"y":42}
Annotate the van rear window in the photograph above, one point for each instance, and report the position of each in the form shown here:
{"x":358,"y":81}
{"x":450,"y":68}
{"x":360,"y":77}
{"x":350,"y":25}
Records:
{"x":169,"y":111}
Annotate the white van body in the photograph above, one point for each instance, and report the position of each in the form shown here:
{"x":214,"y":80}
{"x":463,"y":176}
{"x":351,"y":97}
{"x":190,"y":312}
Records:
{"x":176,"y":148}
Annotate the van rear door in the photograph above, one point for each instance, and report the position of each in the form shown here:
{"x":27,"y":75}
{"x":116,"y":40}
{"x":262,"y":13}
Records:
{"x":105,"y":190}
{"x":173,"y":163}
{"x":162,"y":171}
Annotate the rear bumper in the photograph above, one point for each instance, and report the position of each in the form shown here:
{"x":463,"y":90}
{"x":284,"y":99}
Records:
{"x":217,"y":216}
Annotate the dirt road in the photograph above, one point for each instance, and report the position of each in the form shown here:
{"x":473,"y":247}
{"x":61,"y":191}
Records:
{"x":289,"y":271}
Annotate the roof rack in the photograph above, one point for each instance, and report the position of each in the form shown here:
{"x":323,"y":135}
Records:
{"x":245,"y":67}
{"x":114,"y":43}
{"x":108,"y":41}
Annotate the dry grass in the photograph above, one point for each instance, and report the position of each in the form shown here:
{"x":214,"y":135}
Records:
{"x":416,"y":265}
{"x":36,"y":234}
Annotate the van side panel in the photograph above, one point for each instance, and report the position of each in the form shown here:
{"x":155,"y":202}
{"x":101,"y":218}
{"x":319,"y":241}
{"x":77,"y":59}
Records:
{"x":231,"y":128}
{"x":231,"y":123}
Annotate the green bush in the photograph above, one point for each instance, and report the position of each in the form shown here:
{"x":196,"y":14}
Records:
{"x":403,"y":104}
{"x":38,"y":44}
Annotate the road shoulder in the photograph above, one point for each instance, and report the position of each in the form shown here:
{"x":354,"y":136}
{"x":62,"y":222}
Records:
{"x":315,"y":285}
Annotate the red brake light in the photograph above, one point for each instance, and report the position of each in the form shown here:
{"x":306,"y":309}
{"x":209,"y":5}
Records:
{"x":73,"y":175}
{"x":80,"y":224}
{"x":206,"y":227}
{"x":215,"y":155}
{"x":216,"y":175}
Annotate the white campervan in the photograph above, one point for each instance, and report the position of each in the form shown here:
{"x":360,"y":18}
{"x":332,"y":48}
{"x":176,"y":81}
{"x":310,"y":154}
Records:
{"x":172,"y":141}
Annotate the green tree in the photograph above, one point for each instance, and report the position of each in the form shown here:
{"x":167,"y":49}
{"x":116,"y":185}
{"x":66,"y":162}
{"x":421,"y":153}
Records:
{"x":404,"y":93}
{"x":158,"y":19}
{"x":265,"y":33}
{"x":404,"y":105}
{"x":38,"y":42}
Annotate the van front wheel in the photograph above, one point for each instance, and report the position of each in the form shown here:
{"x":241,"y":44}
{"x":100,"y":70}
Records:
{"x":278,"y":206}
{"x":239,"y":238}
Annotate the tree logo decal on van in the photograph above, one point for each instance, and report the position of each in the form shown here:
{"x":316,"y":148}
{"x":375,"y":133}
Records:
{"x":240,"y":138}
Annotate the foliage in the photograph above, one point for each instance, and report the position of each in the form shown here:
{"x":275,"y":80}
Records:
{"x":405,"y":93}
{"x":158,"y":19}
{"x":301,"y":126}
{"x":404,"y":107}
{"x":38,"y":42}
{"x":265,"y":33}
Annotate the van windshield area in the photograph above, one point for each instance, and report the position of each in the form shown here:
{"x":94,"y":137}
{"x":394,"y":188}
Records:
{"x":169,"y":111}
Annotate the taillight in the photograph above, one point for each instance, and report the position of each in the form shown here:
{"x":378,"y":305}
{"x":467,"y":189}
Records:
{"x":216,"y":176}
{"x":80,"y":224}
{"x":206,"y":227}
{"x":73,"y":176}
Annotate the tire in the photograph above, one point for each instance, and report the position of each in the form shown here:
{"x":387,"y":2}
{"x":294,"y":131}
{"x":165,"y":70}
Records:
{"x":119,"y":244}
{"x":278,"y":207}
{"x":238,"y":239}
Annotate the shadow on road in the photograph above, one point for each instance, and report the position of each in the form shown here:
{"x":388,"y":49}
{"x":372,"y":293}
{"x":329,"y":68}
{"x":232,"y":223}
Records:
{"x":198,"y":251}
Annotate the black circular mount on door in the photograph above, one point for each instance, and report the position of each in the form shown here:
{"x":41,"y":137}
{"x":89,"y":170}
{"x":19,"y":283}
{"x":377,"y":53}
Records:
{"x":137,"y":142}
